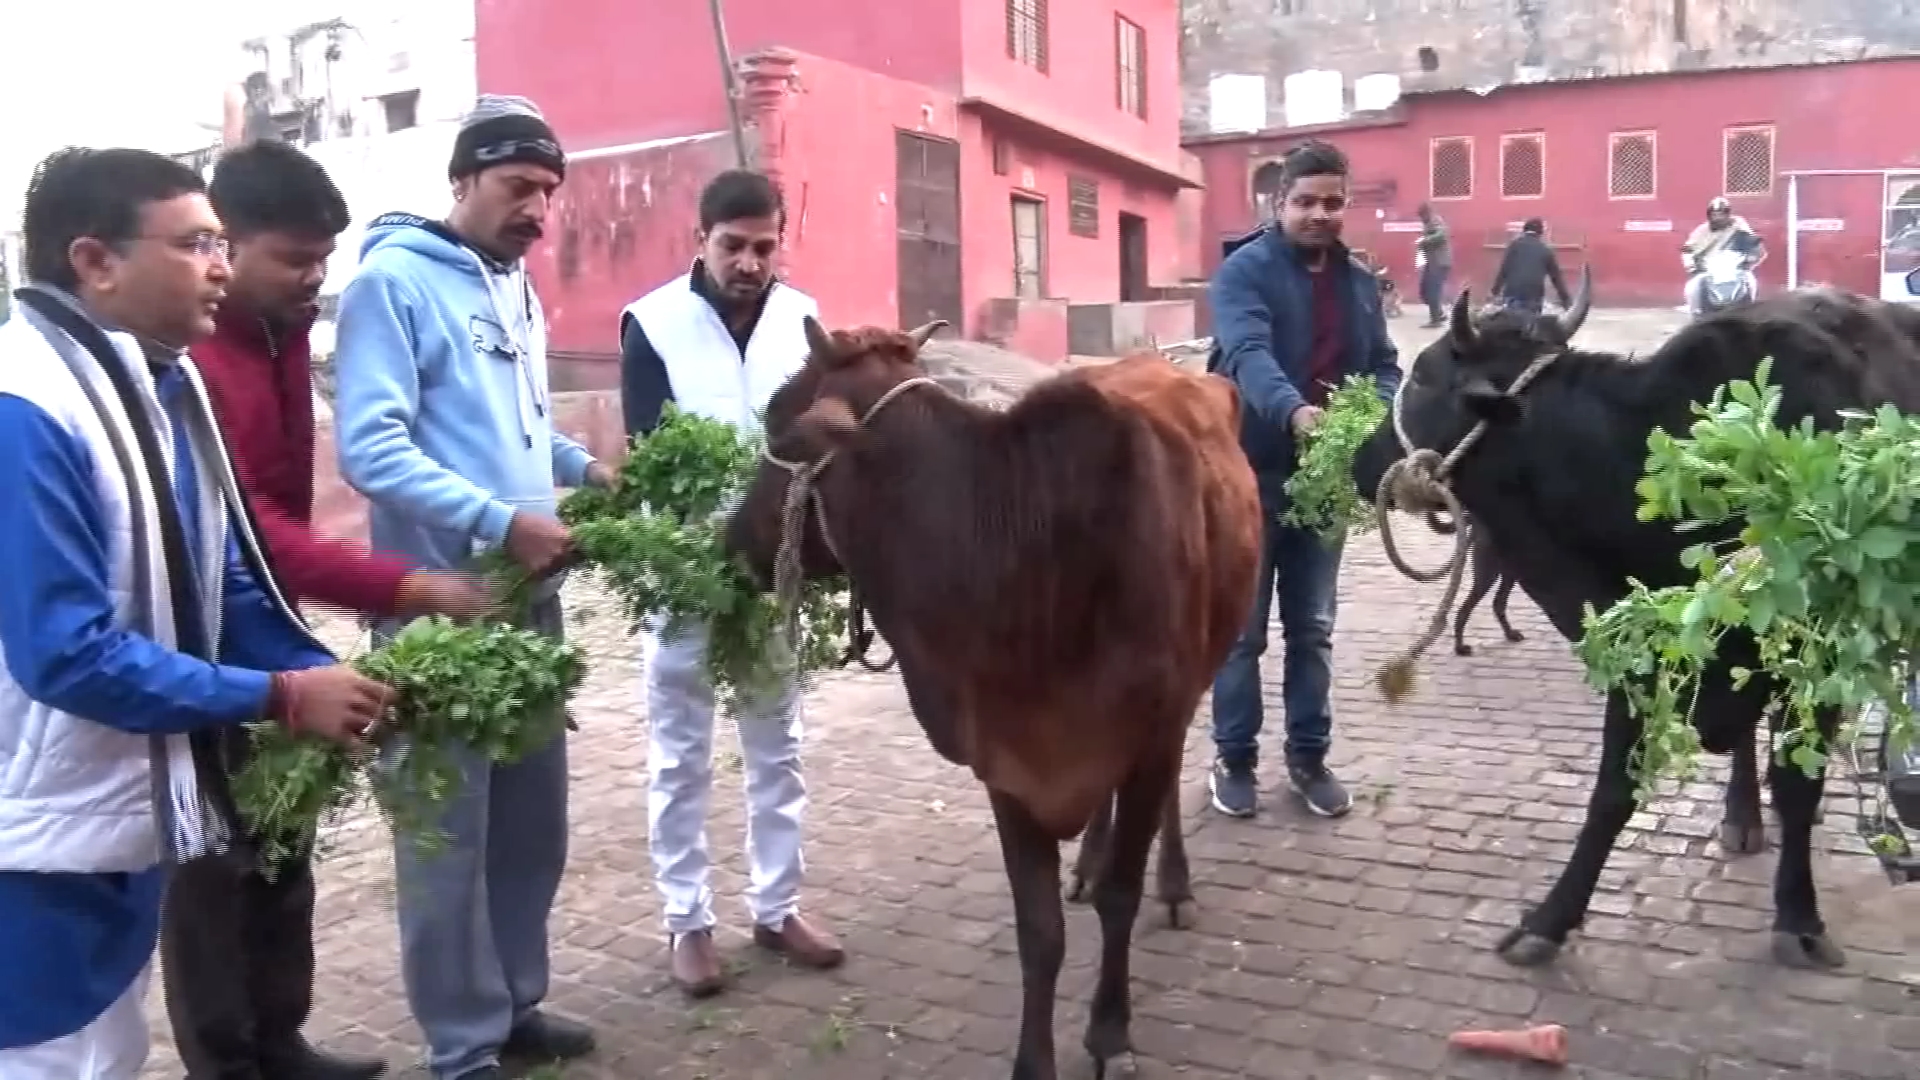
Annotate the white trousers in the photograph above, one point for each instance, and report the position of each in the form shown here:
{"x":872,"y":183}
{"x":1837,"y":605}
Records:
{"x":680,"y":714}
{"x":113,"y":1047}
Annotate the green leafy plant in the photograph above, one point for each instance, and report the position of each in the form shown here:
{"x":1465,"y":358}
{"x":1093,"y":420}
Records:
{"x":491,"y":690}
{"x":1321,"y":491}
{"x":656,"y":539}
{"x":1824,"y":573}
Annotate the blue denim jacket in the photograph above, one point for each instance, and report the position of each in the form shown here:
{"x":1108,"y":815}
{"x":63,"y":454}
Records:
{"x":1262,"y":303}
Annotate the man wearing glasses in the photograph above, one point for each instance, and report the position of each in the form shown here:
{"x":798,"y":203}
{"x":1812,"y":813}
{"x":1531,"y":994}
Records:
{"x":141,"y":623}
{"x":1294,"y":315}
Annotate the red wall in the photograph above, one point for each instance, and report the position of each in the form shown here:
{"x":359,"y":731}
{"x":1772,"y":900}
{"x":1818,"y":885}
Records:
{"x":1078,"y":91}
{"x":1827,"y":117}
{"x":626,"y":222}
{"x":610,"y":72}
{"x":621,"y":225}
{"x":1080,"y":269}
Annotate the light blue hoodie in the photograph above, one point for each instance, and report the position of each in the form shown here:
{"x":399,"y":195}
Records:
{"x":442,"y":414}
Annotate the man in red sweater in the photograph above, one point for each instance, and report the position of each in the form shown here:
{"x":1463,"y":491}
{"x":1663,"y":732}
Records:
{"x":238,"y":949}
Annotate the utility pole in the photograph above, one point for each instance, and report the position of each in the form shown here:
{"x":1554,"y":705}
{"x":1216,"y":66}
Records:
{"x":729,"y":82}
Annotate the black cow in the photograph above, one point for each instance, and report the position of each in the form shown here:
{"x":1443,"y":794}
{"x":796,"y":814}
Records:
{"x":1552,"y":483}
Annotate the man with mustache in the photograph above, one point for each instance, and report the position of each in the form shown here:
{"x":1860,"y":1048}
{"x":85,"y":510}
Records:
{"x":239,"y":947}
{"x":445,"y":424}
{"x":718,"y":341}
{"x":141,"y":623}
{"x":1294,"y":315}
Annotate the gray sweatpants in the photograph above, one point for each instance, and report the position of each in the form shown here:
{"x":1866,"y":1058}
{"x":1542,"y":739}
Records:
{"x":473,"y":912}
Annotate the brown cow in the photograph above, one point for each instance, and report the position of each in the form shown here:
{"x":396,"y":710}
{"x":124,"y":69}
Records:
{"x":1059,"y":582}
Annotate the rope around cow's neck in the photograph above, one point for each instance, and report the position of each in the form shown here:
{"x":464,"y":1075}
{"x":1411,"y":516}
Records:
{"x":803,"y":492}
{"x":1419,"y":482}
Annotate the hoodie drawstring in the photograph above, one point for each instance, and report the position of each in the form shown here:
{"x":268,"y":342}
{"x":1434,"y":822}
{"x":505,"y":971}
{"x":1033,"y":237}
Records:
{"x":519,"y":333}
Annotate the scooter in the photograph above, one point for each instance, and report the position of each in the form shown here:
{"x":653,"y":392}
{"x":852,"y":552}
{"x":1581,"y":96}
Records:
{"x":1726,"y":281}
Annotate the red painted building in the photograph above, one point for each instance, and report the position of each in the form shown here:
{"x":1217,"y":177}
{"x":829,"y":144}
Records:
{"x":1621,"y":169}
{"x":1012,"y":166}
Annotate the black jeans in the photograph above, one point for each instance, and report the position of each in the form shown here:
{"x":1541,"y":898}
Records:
{"x":237,"y":951}
{"x":1433,"y":289}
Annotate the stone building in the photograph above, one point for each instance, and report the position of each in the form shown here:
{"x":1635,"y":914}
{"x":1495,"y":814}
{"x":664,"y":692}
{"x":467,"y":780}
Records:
{"x":1441,"y":44}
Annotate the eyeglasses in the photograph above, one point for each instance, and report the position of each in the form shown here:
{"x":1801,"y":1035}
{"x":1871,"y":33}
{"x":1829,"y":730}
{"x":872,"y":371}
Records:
{"x":202,"y":244}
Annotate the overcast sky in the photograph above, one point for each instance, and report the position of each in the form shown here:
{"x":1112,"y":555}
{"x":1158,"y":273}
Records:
{"x":122,"y":72}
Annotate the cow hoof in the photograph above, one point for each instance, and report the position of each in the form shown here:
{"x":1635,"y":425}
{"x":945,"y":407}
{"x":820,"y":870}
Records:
{"x":1737,"y":839}
{"x":1180,"y":913}
{"x":1515,"y":635}
{"x":1120,"y":1065}
{"x":1463,"y":649}
{"x":1809,"y":952}
{"x":1079,"y":890}
{"x":1524,"y":948}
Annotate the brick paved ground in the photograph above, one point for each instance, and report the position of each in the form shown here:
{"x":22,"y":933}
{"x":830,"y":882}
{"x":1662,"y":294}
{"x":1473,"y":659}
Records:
{"x":1338,"y":950}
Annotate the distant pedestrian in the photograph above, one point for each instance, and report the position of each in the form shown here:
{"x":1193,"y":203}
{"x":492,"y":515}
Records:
{"x":1433,"y":254}
{"x":1526,"y":268}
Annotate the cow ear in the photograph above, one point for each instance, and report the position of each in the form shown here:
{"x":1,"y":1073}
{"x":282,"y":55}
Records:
{"x":830,"y":420}
{"x":1488,"y":402}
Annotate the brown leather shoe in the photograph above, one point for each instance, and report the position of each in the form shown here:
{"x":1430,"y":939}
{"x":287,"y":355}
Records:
{"x":696,"y":964}
{"x":801,"y":943}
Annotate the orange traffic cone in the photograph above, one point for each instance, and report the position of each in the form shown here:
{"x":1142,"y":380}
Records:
{"x":1546,"y":1043}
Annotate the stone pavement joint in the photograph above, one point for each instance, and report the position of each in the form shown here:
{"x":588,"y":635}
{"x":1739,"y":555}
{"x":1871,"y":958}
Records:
{"x":1323,"y":950}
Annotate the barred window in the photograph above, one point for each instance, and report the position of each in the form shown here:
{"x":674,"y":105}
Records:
{"x":1027,"y":32}
{"x":1523,"y":166}
{"x":1450,"y":167}
{"x":1748,"y":161}
{"x":1632,"y":162}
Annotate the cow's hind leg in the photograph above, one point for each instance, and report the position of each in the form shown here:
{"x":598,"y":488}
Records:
{"x":1137,"y":814}
{"x":1501,"y":593}
{"x":1743,"y":829}
{"x":1091,"y":861}
{"x":1483,"y":580}
{"x":1799,"y":935}
{"x":1173,"y":877}
{"x":1040,"y":929}
{"x":1543,"y":931}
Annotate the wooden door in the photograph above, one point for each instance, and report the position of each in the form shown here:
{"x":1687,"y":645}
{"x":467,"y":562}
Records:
{"x":927,"y":201}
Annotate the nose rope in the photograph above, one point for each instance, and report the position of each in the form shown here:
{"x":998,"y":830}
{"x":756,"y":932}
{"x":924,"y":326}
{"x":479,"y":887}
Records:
{"x":803,"y":493}
{"x":1420,"y":482}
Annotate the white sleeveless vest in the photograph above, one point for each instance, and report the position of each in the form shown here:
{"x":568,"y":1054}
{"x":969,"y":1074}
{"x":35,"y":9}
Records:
{"x":703,"y":364}
{"x":78,"y":796}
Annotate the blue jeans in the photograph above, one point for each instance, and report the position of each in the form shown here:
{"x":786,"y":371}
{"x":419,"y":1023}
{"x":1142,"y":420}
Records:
{"x":1304,"y":573}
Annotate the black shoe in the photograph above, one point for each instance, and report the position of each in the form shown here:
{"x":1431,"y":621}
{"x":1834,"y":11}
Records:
{"x":1235,"y":791}
{"x":1320,"y":789}
{"x":485,"y":1072}
{"x":544,"y":1037}
{"x":300,"y":1061}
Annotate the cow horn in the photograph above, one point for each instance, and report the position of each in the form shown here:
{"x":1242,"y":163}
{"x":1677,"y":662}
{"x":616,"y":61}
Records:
{"x":1576,"y":313}
{"x":920,"y":334}
{"x":1461,"y":328}
{"x":819,"y":344}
